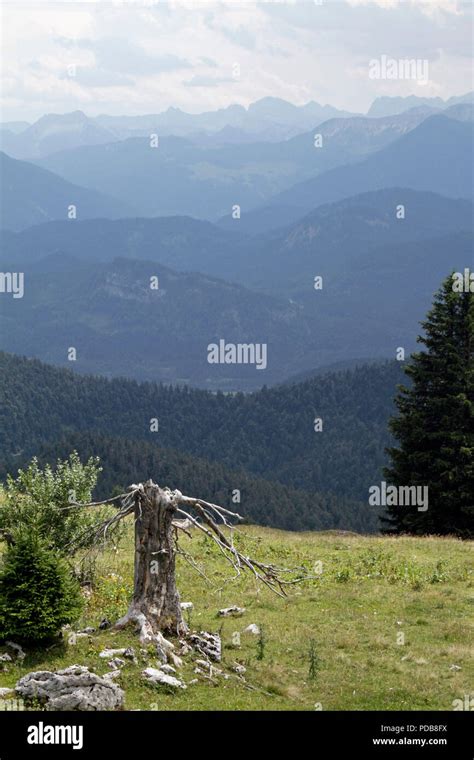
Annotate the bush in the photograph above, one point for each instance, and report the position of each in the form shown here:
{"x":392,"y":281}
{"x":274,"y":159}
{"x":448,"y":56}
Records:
{"x":41,"y":500}
{"x":38,"y":594}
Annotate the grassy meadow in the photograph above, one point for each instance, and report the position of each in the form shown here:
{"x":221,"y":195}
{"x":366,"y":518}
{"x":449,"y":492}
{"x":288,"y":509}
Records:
{"x":334,"y":643}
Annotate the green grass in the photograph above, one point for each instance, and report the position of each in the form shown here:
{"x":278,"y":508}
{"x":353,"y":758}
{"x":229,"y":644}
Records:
{"x":370,"y":590}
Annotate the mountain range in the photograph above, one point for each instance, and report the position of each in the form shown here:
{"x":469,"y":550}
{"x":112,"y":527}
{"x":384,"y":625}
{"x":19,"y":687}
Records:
{"x":273,"y":184}
{"x":267,"y":120}
{"x":30,"y":195}
{"x":436,"y":156}
{"x":87,"y":285}
{"x":357,"y":155}
{"x":309,"y":237}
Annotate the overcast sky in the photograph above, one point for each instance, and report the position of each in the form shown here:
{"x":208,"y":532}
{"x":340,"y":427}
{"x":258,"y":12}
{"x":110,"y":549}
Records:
{"x":142,"y":57}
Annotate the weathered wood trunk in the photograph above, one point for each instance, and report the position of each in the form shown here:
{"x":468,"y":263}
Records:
{"x":155,"y":604}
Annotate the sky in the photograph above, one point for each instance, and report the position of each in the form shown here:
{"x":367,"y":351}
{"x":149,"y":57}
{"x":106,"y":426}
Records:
{"x":144,"y":57}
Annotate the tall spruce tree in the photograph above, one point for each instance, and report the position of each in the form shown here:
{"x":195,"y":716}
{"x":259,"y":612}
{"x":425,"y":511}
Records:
{"x":435,"y":422}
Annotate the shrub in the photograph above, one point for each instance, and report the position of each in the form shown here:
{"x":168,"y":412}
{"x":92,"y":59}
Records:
{"x":41,"y":500}
{"x":38,"y":594}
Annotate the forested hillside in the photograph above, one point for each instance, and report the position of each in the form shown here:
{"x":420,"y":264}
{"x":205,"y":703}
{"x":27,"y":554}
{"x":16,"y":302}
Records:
{"x":261,"y":501}
{"x":269,"y":433}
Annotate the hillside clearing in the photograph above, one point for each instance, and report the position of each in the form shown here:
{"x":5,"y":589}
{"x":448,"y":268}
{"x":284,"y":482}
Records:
{"x":365,"y":593}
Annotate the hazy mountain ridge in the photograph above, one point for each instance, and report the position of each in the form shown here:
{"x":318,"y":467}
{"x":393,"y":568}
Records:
{"x":434,"y":156}
{"x":271,"y":118}
{"x":75,"y":295}
{"x":30,"y":195}
{"x":178,"y":177}
{"x":120,"y":326}
{"x":389,"y":106}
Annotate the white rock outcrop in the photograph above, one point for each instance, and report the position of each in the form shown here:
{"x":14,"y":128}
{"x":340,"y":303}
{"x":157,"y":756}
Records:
{"x":74,"y":688}
{"x":154,"y":675}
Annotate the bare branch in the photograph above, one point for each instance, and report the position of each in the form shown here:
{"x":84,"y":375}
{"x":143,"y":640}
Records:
{"x":209,"y":516}
{"x":75,"y":504}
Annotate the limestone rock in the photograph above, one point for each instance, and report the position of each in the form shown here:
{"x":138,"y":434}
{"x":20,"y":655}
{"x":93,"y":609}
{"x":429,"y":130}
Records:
{"x":19,"y":651}
{"x":159,"y":677}
{"x":233,"y":611}
{"x":252,"y":628}
{"x":123,"y":652}
{"x":74,"y":688}
{"x":208,"y":644}
{"x":74,"y":637}
{"x":113,"y":674}
{"x":116,"y":663}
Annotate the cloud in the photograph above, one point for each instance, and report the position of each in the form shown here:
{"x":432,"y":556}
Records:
{"x":132,"y":56}
{"x":240,"y":36}
{"x":120,"y":55}
{"x":427,"y":6}
{"x":208,"y":62}
{"x":93,"y":77}
{"x":203,"y":81}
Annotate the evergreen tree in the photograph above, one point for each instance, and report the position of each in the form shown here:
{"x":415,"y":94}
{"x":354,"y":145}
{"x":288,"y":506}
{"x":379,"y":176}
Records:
{"x":435,"y":423}
{"x":38,"y":594}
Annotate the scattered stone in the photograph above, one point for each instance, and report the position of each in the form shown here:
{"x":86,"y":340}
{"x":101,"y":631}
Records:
{"x":104,"y":623}
{"x":208,"y":644}
{"x":74,"y":688}
{"x":187,"y":606}
{"x":208,"y":670}
{"x":87,"y":630}
{"x":20,"y":653}
{"x":239,"y":669}
{"x":73,"y":637}
{"x":130,"y":654}
{"x":112,"y":653}
{"x":4,"y":692}
{"x":113,"y":674}
{"x":194,"y":680}
{"x":455,"y":667}
{"x":421,"y":661}
{"x":252,"y":628}
{"x":233,"y":611}
{"x":177,"y":661}
{"x":159,"y":677}
{"x":5,"y":657}
{"x":184,"y":648}
{"x":167,"y":668}
{"x":116,"y":663}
